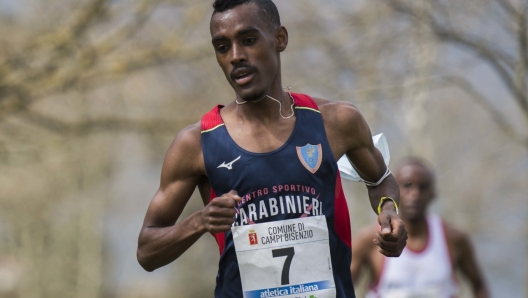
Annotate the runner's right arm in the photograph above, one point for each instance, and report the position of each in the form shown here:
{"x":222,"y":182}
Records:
{"x":362,"y":247}
{"x":161,"y":239}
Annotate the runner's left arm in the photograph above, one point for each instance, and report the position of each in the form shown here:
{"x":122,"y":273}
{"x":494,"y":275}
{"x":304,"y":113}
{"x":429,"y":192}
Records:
{"x":353,"y":136}
{"x":468,"y":264}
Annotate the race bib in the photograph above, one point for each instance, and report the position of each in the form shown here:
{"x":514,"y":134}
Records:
{"x":287,"y":259}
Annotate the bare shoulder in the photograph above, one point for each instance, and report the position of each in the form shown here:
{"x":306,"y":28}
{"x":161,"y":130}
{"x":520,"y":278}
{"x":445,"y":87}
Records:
{"x":186,"y":141}
{"x":184,"y":156}
{"x":338,"y":113}
{"x":455,"y":235}
{"x":344,"y":123}
{"x":458,"y":241}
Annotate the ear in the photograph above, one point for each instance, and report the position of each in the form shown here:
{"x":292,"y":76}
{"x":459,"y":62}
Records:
{"x":281,"y":36}
{"x":433,"y":193}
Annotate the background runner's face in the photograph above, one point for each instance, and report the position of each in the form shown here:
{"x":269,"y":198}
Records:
{"x":246,"y":50}
{"x":416,"y":191}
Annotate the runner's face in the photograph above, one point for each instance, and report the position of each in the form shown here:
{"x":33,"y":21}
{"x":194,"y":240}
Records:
{"x":246,"y":50}
{"x":416,"y":191}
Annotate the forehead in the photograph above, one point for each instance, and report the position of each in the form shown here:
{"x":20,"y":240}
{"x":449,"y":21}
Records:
{"x":238,"y":18}
{"x":415,"y":173}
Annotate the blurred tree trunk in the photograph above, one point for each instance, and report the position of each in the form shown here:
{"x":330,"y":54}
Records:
{"x":90,"y":235}
{"x":510,"y":68}
{"x":416,"y":91}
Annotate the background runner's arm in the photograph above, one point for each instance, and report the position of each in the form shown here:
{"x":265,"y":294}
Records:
{"x":161,"y":240}
{"x":469,"y":267}
{"x":361,"y":247}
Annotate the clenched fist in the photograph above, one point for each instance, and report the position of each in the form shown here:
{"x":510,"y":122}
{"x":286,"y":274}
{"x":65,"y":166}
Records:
{"x":392,"y":236}
{"x":218,"y":215}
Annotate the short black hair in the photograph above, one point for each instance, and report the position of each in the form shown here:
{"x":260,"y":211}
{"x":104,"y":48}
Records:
{"x":267,"y":8}
{"x":417,"y":161}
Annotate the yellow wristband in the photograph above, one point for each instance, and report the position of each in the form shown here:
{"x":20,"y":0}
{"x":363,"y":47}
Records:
{"x":384,"y":199}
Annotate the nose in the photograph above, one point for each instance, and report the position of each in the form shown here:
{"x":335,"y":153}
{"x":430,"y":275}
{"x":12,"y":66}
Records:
{"x":238,"y":55}
{"x":417,"y":193}
{"x":412,"y":193}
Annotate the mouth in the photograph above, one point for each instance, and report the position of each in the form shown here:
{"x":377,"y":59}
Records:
{"x":243,"y":76}
{"x":411,"y":208}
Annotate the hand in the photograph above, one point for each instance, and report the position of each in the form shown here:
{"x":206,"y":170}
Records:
{"x":392,"y":236}
{"x":218,"y":215}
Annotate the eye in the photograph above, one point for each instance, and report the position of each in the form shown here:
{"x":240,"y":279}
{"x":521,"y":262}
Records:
{"x":222,"y":48}
{"x":250,"y":40}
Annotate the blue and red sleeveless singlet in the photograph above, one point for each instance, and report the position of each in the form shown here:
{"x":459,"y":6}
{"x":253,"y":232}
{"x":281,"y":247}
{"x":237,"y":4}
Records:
{"x":268,"y":183}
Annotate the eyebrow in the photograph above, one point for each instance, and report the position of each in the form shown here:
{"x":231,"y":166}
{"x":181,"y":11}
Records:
{"x":243,"y":31}
{"x":247,"y":30}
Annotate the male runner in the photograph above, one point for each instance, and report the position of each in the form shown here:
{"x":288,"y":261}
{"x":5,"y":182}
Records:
{"x":434,"y":250}
{"x":265,"y":166}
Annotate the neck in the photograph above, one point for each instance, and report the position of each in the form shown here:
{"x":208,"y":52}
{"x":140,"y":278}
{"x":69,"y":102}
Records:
{"x":265,"y":107}
{"x":417,"y":227}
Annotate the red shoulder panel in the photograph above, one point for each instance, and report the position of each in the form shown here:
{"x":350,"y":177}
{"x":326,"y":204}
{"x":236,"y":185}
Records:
{"x":304,"y":101}
{"x":341,"y":216}
{"x":212,"y":118}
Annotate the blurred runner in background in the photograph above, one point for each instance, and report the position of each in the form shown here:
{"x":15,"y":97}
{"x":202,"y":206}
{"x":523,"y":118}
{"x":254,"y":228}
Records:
{"x":434,"y":250}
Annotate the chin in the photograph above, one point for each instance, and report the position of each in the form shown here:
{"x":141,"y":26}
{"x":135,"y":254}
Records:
{"x":414,"y":217}
{"x":251,"y":94}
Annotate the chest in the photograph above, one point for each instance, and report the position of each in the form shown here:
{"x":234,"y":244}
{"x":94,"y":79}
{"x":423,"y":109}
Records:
{"x":279,"y":173}
{"x":302,"y":159}
{"x":417,"y":243}
{"x":260,"y":137}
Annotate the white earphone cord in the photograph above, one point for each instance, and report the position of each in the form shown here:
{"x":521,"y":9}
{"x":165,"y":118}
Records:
{"x":280,"y":104}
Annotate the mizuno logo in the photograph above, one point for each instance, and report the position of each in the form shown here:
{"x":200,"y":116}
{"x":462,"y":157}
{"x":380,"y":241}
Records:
{"x":229,"y":165}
